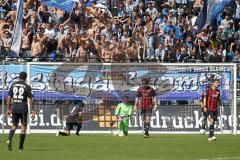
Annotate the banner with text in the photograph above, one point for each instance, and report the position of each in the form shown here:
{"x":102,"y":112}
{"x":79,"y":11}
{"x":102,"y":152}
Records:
{"x":71,"y":82}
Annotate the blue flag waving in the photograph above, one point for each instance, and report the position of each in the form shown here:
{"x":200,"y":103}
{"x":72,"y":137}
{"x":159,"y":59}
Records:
{"x":210,"y":11}
{"x":17,"y":31}
{"x":65,"y":5}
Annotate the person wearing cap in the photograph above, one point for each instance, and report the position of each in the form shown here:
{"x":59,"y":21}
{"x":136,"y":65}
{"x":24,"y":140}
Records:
{"x":74,"y":118}
{"x":146,"y":100}
{"x":123,"y":112}
{"x":19,"y":94}
{"x":211,"y":100}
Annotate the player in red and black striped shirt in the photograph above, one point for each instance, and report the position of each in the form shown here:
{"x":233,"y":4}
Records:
{"x":211,"y":101}
{"x":146,"y":99}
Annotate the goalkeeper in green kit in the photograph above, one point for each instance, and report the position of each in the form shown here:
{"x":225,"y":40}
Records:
{"x":123,"y":112}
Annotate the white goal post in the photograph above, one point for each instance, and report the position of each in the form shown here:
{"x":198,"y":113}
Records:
{"x":54,"y":83}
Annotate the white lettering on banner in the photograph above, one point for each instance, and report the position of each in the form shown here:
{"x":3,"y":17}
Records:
{"x":221,"y":120}
{"x":55,"y":120}
{"x":155,"y":121}
{"x":230,"y":120}
{"x":186,"y":83}
{"x":9,"y":121}
{"x":40,"y":85}
{"x":41,"y":119}
{"x":165,"y":119}
{"x":188,"y":122}
{"x":68,"y":82}
{"x":197,"y":120}
{"x":82,"y":86}
{"x":79,"y":84}
{"x":164,"y":84}
{"x":177,"y":122}
{"x":134,"y":121}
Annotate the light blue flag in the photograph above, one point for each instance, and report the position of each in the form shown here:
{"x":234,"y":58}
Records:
{"x":66,"y":5}
{"x":17,"y":31}
{"x":210,"y":12}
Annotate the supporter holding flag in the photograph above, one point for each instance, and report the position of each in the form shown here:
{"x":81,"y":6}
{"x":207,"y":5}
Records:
{"x":210,"y":11}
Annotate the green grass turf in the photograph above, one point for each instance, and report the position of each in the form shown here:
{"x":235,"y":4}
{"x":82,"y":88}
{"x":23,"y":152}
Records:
{"x":133,"y":147}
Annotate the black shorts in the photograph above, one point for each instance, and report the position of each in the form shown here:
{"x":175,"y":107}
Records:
{"x":70,"y":125}
{"x":20,"y":116}
{"x":212,"y":114}
{"x":146,"y":112}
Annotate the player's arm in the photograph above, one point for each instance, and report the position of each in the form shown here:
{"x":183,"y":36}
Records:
{"x":137,"y":100}
{"x":130,"y":110}
{"x":117,"y":110}
{"x":30,"y":101}
{"x":154,"y":100}
{"x":32,"y":108}
{"x":205,"y":102}
{"x":9,"y":101}
{"x":201,"y":104}
{"x":136,"y":104}
{"x":155,"y":103}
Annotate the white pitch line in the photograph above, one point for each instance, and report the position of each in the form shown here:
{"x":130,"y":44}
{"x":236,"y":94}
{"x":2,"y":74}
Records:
{"x":223,"y":158}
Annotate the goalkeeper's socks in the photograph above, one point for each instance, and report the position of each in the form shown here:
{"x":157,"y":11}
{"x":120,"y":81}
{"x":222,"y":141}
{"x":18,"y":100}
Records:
{"x":211,"y":132}
{"x":10,"y":136}
{"x":63,"y":133}
{"x":21,"y":141}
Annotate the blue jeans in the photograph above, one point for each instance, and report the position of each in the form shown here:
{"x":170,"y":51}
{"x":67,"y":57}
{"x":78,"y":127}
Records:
{"x":150,"y":47}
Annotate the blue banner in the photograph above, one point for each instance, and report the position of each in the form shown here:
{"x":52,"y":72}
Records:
{"x":66,"y":5}
{"x":69,"y":82}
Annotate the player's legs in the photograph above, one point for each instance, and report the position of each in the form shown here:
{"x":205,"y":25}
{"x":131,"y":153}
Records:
{"x":69,"y":127}
{"x":15,"y":121}
{"x":204,"y":120}
{"x":23,"y":131}
{"x":125,"y":126}
{"x":212,"y":119}
{"x":146,"y":119}
{"x":120,"y":126}
{"x":79,"y":127}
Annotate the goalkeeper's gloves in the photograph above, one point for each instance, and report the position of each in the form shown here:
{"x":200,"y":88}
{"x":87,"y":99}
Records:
{"x":155,"y":108}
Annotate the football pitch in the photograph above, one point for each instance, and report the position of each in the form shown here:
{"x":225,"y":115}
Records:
{"x":133,"y":147}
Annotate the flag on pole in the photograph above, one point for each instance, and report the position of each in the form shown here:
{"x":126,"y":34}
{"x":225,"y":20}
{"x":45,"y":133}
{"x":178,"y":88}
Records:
{"x":65,"y":5}
{"x":17,"y":31}
{"x":210,"y":11}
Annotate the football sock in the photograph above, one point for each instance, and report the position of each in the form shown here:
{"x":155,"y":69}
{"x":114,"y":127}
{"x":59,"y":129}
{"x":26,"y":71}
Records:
{"x":204,"y":123}
{"x":211,"y":132}
{"x":10,"y":136}
{"x":22,"y":139}
{"x":146,"y":127}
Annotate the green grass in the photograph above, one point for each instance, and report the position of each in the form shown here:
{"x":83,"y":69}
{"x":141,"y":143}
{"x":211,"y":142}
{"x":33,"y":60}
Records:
{"x":133,"y":147}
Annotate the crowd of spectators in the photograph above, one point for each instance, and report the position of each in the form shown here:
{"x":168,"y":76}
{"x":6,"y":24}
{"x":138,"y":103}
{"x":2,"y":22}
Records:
{"x":122,"y":31}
